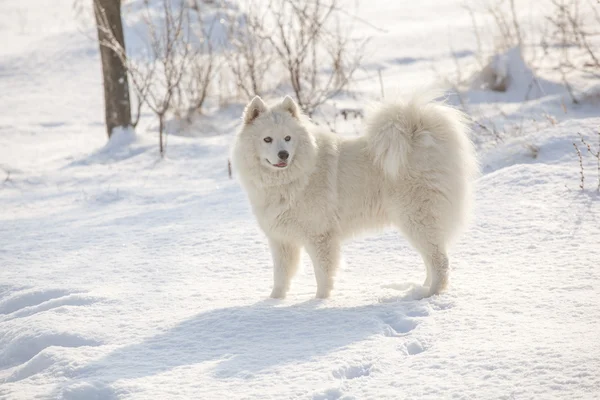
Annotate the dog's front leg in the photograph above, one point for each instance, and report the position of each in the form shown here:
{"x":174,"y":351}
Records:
{"x":286,"y":257}
{"x":324,"y":250}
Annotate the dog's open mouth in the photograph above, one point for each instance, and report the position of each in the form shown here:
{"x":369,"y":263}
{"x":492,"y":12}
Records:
{"x":280,"y":164}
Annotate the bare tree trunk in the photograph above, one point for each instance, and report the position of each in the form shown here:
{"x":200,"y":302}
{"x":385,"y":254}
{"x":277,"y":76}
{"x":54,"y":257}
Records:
{"x":116,"y":87}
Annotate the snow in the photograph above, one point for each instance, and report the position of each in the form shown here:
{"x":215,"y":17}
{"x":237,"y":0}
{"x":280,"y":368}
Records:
{"x":126,"y":277}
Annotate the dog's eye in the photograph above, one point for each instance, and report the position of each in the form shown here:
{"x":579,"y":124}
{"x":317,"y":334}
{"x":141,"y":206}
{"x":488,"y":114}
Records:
{"x":287,"y":138}
{"x":268,"y":139}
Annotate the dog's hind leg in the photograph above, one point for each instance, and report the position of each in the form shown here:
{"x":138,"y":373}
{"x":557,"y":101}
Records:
{"x":425,"y":232}
{"x":435,"y":257}
{"x":438,"y":265}
{"x":428,"y":273}
{"x":286,"y":257}
{"x":324,"y":252}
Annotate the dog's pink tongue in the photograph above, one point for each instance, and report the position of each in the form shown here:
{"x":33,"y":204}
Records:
{"x":281,"y":164}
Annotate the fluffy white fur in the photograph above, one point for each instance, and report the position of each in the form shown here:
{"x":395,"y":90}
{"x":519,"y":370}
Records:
{"x":413,"y":169}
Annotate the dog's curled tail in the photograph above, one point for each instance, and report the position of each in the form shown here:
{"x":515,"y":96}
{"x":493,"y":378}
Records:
{"x":405,"y":136}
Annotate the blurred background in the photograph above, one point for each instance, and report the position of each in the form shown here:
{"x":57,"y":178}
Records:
{"x":186,"y":68}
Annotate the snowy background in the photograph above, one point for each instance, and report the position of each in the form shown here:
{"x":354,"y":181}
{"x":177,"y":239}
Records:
{"x":124,"y":276}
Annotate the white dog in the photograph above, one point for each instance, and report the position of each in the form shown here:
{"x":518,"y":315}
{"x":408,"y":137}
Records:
{"x":311,"y":188}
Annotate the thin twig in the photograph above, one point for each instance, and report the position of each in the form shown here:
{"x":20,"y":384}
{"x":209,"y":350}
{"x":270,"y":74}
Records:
{"x":595,"y":154}
{"x":580,"y":164}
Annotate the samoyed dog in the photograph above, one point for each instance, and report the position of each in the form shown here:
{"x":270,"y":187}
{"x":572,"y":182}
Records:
{"x":309,"y":188}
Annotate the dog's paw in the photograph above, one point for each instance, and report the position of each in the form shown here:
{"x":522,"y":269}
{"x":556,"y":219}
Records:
{"x":278,"y":293}
{"x":412,"y":291}
{"x":323,"y":293}
{"x":419,"y":292}
{"x":438,"y":285}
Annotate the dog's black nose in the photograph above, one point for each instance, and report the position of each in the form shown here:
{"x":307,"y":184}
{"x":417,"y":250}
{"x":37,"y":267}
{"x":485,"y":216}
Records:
{"x":283,"y":155}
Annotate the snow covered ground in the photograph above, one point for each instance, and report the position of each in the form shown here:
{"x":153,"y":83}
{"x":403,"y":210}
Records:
{"x":122,"y":276}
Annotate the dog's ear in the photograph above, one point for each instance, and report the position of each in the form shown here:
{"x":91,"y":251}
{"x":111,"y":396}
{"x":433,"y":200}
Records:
{"x":254,"y":109}
{"x":289,"y":105}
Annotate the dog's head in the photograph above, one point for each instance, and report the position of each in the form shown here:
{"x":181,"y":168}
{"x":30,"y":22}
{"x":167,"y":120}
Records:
{"x":273,"y":146}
